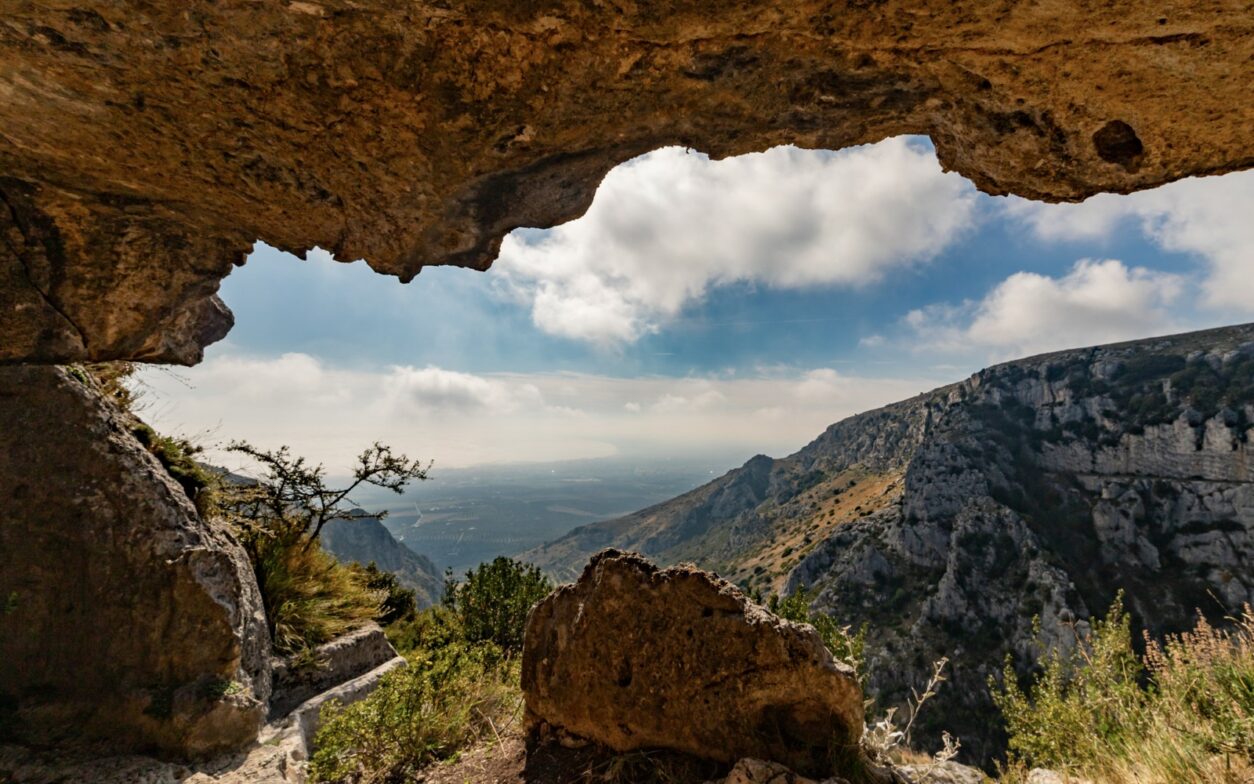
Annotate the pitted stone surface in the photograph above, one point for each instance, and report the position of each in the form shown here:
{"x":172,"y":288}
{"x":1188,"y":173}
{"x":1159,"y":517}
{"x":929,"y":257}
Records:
{"x":146,"y":146}
{"x":633,"y":657}
{"x":124,"y":616}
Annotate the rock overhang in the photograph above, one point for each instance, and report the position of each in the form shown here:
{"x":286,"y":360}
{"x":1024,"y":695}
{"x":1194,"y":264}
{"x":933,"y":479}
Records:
{"x":146,"y":147}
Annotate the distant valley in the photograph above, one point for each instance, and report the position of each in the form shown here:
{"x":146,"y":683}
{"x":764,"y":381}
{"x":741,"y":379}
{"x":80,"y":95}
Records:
{"x":463,"y":517}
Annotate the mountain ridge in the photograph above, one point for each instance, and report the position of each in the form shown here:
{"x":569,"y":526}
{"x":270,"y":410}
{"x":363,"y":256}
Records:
{"x":1033,"y":489}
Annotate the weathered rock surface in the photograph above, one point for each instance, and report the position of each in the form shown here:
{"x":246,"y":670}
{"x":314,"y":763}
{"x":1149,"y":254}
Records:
{"x":146,"y":146}
{"x":295,"y":680}
{"x":1035,"y":488}
{"x":633,"y":657}
{"x":280,"y":761}
{"x":943,"y":773}
{"x":352,"y":667}
{"x":753,"y":771}
{"x":125,"y":617}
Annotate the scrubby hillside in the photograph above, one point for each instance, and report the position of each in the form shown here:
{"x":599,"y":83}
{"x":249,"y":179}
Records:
{"x":364,"y":539}
{"x":948,"y":522}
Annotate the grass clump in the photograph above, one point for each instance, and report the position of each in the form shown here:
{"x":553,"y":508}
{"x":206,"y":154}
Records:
{"x":1182,"y":712}
{"x":310,"y":598}
{"x":178,"y":457}
{"x":445,"y":700}
{"x":461,"y":684}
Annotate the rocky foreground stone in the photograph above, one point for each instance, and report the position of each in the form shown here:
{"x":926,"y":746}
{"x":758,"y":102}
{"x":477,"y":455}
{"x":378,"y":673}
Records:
{"x":634,"y":657}
{"x":124,"y":615}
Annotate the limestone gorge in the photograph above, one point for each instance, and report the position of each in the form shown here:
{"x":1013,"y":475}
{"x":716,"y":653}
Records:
{"x":1034,"y":489}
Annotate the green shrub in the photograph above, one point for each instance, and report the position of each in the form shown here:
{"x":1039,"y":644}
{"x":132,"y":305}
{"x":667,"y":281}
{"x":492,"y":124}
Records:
{"x":845,"y":646}
{"x":1079,"y":705}
{"x":434,"y":627}
{"x":443,"y":701}
{"x":398,"y":602}
{"x":493,"y":601}
{"x":1185,"y":712}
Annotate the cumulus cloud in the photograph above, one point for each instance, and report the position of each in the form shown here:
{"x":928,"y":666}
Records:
{"x":1095,"y":302}
{"x":667,"y":227}
{"x":433,"y":388}
{"x":1207,"y":216}
{"x":330,"y":413}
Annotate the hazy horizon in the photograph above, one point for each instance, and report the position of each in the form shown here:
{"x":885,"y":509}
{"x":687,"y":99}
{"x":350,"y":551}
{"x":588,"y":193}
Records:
{"x":708,"y":308}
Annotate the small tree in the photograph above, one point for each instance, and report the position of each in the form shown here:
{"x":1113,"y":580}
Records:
{"x":494,"y":600}
{"x":293,"y":500}
{"x":309,"y":597}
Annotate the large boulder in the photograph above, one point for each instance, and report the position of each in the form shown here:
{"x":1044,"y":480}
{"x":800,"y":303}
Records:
{"x":633,"y":657}
{"x":124,"y":616}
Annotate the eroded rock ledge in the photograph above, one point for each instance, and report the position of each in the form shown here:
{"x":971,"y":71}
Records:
{"x":146,"y":146}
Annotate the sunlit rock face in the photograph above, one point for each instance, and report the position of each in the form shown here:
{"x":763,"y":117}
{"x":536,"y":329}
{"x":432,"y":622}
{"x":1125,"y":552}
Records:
{"x":124,"y":617}
{"x":634,"y":657}
{"x":1038,"y":489}
{"x":146,"y":146}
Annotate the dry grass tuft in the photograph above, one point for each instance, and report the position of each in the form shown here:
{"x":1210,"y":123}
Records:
{"x":1182,"y":713}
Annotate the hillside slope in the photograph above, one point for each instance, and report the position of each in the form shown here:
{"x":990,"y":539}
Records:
{"x":947,"y":522}
{"x":364,"y":539}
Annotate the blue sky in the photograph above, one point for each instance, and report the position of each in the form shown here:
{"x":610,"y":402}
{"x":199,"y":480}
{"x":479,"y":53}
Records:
{"x":708,"y":307}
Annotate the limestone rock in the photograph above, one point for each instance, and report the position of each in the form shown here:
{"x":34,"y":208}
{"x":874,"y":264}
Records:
{"x":753,"y":771}
{"x":147,"y":146}
{"x":295,"y":679}
{"x":943,"y":773}
{"x":633,"y":657}
{"x":280,"y":762}
{"x":125,"y":616}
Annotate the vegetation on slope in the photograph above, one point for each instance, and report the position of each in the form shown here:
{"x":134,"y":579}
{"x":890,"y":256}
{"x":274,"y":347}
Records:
{"x":309,"y":597}
{"x":461,"y":685}
{"x":846,"y":646}
{"x":1184,"y":711}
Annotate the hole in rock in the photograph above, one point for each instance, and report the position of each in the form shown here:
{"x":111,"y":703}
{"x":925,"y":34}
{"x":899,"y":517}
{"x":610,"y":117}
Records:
{"x":1116,"y":142}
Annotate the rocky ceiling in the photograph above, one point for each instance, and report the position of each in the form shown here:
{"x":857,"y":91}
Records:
{"x":145,"y":145}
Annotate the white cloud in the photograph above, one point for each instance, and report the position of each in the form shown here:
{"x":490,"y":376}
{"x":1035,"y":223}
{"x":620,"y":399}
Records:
{"x":667,"y":227}
{"x":433,"y":388}
{"x":1095,"y":302}
{"x":330,"y":413}
{"x":1207,"y":216}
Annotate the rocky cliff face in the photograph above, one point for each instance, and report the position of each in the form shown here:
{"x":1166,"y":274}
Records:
{"x":1037,"y":488}
{"x":123,"y":615}
{"x":146,"y":146}
{"x":364,"y":540}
